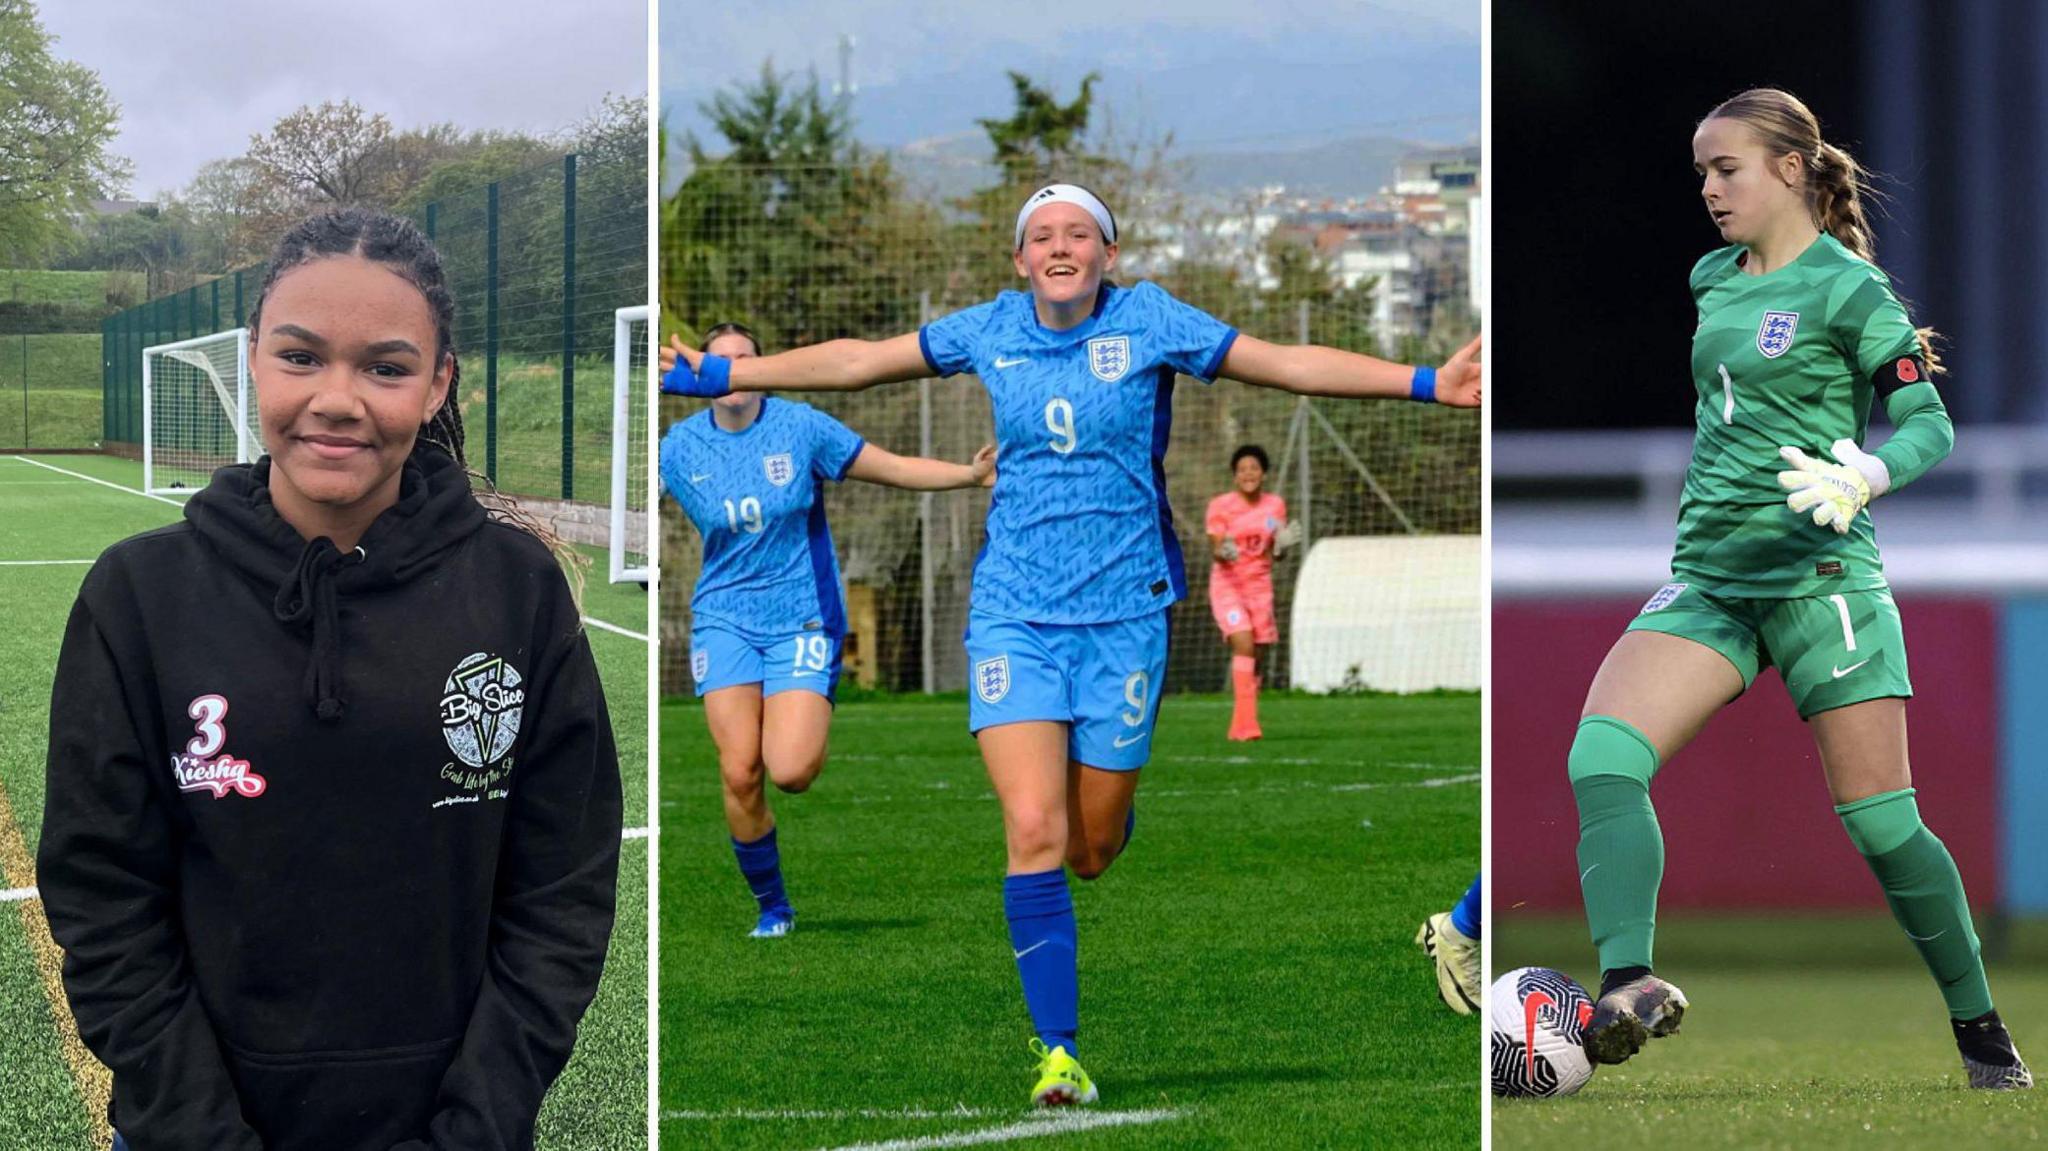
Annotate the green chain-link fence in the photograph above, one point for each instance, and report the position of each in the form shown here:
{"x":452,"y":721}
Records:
{"x":539,"y":262}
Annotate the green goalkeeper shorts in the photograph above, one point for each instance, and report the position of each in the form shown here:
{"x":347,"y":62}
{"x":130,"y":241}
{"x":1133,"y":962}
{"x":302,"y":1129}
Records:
{"x":1833,"y":650}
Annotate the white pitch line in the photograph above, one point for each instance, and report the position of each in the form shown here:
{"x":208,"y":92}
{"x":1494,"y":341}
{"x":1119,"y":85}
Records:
{"x":1439,"y":781}
{"x":101,"y":482}
{"x":785,"y":1114}
{"x":1065,"y":1123}
{"x":636,"y":833}
{"x":44,"y":563}
{"x":612,"y":627}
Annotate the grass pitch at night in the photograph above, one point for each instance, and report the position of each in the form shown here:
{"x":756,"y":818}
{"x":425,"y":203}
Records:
{"x":56,"y":514}
{"x":1248,"y":976}
{"x":1815,"y":1032}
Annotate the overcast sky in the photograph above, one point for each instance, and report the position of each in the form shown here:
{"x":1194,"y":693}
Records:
{"x":711,"y":45}
{"x":195,"y":81}
{"x":1212,"y":72}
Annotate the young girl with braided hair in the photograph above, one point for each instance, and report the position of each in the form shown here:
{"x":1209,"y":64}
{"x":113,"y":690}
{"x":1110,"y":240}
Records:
{"x":332,"y":832}
{"x":1799,"y":334}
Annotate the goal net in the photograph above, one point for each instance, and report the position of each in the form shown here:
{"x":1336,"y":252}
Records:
{"x":198,"y":411}
{"x":631,"y":383}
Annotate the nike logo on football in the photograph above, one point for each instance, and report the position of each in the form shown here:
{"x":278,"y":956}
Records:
{"x":1532,"y":1009}
{"x":700,"y":479}
{"x":1032,"y":948}
{"x":1003,"y":363}
{"x":1126,"y":740}
{"x":1842,"y":671}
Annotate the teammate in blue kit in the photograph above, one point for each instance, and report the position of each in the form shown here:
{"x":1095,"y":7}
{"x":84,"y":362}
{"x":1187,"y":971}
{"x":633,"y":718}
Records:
{"x":1066,"y":634}
{"x":766,"y":616}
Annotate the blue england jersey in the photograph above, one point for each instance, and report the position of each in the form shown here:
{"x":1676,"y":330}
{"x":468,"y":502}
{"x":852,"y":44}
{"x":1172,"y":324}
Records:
{"x":756,"y":498}
{"x":1079,"y":530}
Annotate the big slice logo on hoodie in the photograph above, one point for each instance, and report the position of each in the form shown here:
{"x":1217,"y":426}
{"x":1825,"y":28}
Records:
{"x":480,"y":709}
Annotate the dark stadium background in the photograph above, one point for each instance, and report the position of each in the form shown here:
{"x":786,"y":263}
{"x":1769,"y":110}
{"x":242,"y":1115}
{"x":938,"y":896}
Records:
{"x":1597,"y":215}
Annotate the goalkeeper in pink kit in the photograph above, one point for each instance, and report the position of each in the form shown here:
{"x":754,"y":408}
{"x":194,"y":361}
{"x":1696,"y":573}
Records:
{"x":1247,"y":527}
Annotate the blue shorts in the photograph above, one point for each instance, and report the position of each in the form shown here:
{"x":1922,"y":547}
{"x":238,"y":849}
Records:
{"x":800,"y":661}
{"x":1101,"y":679}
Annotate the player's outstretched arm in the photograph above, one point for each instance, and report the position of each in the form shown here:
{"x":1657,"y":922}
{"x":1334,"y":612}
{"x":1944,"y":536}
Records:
{"x":1314,"y":370}
{"x":916,"y":473}
{"x":833,"y":366}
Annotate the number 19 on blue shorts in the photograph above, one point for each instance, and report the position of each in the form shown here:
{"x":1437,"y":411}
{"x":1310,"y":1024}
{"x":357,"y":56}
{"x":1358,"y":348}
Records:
{"x":803,"y":661}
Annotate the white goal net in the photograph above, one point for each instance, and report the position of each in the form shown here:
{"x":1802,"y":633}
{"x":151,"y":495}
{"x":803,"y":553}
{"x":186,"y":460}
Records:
{"x":198,"y":411}
{"x":1388,"y":613}
{"x":632,"y":385}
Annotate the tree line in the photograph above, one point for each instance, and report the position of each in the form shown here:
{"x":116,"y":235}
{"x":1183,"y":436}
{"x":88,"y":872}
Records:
{"x":57,"y":128}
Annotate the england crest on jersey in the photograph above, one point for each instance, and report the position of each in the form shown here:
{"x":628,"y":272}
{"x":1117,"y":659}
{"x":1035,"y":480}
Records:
{"x":1109,"y":357}
{"x":992,"y":679}
{"x":1774,"y":335}
{"x":779,"y":468}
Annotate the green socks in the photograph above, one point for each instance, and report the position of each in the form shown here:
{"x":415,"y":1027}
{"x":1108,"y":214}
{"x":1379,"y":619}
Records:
{"x":1926,"y":893}
{"x":1621,"y":850}
{"x":1621,"y":863}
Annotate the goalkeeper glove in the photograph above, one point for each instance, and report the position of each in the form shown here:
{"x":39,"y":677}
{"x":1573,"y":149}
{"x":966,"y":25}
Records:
{"x":1287,"y":537}
{"x":1833,"y":492}
{"x":1227,"y":550}
{"x":711,"y":380}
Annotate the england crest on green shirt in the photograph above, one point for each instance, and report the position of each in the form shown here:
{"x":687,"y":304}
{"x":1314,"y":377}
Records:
{"x":1774,"y":335}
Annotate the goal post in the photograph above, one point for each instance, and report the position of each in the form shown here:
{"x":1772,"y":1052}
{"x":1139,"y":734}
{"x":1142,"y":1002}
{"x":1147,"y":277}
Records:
{"x":631,"y":362}
{"x":197,"y":411}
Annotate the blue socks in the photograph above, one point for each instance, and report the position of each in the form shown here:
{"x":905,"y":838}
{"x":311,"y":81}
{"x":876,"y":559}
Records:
{"x":1041,"y":914}
{"x":761,"y":863}
{"x":1465,"y":916}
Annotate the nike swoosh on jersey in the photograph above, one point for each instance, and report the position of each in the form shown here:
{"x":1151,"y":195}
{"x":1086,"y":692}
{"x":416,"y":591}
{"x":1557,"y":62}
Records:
{"x":1032,"y":948}
{"x":700,"y":479}
{"x":1126,"y":741}
{"x":1003,"y":363}
{"x":1842,"y":671}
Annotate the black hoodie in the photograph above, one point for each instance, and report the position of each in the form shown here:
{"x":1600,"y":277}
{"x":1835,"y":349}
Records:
{"x":331,"y":839}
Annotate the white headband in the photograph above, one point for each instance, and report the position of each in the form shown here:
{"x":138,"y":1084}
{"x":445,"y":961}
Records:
{"x":1068,"y":194}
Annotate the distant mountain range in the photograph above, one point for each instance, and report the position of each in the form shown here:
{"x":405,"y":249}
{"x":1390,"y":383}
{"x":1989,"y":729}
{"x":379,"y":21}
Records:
{"x":956,"y":165}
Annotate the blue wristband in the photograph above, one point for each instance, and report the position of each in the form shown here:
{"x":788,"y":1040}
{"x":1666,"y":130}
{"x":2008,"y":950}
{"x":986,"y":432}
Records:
{"x":1422,"y":385}
{"x":716,"y":372}
{"x":712,"y":379}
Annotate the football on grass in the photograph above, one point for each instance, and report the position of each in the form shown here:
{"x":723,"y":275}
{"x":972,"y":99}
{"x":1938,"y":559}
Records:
{"x":1536,"y":1016}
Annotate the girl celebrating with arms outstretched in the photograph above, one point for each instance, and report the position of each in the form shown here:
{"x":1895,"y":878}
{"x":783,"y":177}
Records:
{"x":1066,"y":635}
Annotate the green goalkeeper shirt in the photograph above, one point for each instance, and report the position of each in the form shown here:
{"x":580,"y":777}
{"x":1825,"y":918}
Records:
{"x":1788,"y":358}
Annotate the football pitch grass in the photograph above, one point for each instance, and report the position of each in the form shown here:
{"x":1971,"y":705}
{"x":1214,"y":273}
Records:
{"x":1248,"y":971}
{"x":1818,"y":1031}
{"x":52,"y":524}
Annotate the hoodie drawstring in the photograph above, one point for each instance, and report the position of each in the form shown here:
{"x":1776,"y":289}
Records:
{"x":307,"y":595}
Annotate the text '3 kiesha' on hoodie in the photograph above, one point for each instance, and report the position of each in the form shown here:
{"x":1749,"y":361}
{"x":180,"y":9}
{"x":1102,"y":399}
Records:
{"x":331,"y":839}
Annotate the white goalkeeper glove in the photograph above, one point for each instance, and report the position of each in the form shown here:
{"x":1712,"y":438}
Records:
{"x":1288,"y":536}
{"x":1833,"y":492}
{"x":1227,"y":550}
